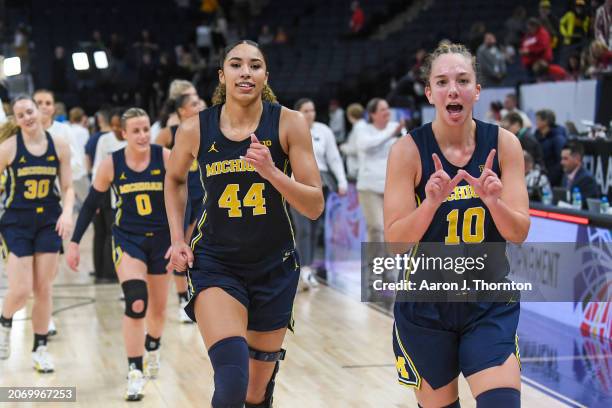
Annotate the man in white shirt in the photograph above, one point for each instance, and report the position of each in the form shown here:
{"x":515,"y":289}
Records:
{"x":511,"y":105}
{"x":78,"y":124}
{"x":336,"y":121}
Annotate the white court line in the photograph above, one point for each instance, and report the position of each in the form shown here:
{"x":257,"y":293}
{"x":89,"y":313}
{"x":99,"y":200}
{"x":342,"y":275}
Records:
{"x":564,"y":358}
{"x":556,"y":395}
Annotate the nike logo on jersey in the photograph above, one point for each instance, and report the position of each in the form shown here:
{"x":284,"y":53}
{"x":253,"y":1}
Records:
{"x":155,"y":172}
{"x":122,"y":176}
{"x":213,"y":148}
{"x":51,"y":158}
{"x":22,"y":159}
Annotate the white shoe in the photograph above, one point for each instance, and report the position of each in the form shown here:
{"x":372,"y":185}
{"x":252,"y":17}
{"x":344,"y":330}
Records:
{"x":151,"y":364}
{"x":183,"y":318}
{"x":308,"y":277}
{"x":5,"y":342}
{"x":135,"y":385}
{"x":52,"y":329}
{"x":42,"y":360}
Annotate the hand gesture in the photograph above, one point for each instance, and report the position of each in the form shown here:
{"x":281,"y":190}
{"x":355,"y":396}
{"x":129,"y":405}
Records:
{"x":259,"y":156}
{"x":488,"y":186}
{"x":63,"y":227}
{"x":440,"y":185}
{"x":73,"y":256}
{"x":180,"y":256}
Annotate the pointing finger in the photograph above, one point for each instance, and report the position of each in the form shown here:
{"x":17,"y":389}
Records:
{"x":437,"y":162}
{"x":489,"y":162}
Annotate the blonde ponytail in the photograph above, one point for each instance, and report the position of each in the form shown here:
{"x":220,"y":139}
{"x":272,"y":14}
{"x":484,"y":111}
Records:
{"x":8,"y":129}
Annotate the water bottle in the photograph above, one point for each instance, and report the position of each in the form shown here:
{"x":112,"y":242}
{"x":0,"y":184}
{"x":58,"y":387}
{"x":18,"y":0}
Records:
{"x":576,"y":199}
{"x":604,"y":205}
{"x":546,"y":196}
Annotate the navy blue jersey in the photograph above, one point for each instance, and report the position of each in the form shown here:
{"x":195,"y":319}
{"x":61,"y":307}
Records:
{"x":140,"y":195}
{"x":31,"y":180}
{"x":462,"y":218}
{"x":194,"y":183}
{"x":244,"y":217}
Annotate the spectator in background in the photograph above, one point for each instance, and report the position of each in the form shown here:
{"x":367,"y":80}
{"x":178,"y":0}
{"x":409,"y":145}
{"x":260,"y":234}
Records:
{"x":476,"y":36}
{"x":603,"y":24}
{"x":574,"y":25}
{"x":535,"y":179}
{"x":373,"y":145}
{"x":491,"y":61}
{"x":357,"y":18}
{"x":511,"y":105}
{"x":550,"y":22}
{"x":209,"y":6}
{"x":80,"y":134}
{"x":354,"y":114}
{"x":97,"y":41}
{"x":336,"y":120}
{"x":59,"y":69}
{"x":146,"y":78}
{"x":103,"y":126}
{"x":219,"y":31}
{"x":78,"y":125}
{"x":515,"y":26}
{"x":575,"y":175}
{"x":535,"y":45}
{"x":574,"y":67}
{"x":281,"y":36}
{"x":545,"y":72}
{"x":265,"y":35}
{"x":513,"y":122}
{"x":552,"y":138}
{"x":333,"y":177}
{"x":494,"y":113}
{"x":204,"y":41}
{"x":600,"y":59}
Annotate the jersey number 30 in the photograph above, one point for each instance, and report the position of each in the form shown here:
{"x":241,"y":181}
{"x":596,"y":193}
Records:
{"x":469,"y":235}
{"x":253,"y":198}
{"x":36,"y":189}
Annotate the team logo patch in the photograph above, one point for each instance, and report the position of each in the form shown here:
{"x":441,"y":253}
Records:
{"x":51,"y":158}
{"x":213,"y":148}
{"x":22,"y":160}
{"x":155,"y":172}
{"x":122,"y":176}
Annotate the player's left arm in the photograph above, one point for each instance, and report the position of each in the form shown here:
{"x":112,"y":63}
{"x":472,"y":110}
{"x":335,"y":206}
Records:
{"x":65,"y":223}
{"x":304,"y":193}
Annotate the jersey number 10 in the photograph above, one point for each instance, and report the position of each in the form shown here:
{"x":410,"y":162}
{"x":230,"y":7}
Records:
{"x":253,"y":198}
{"x":468,"y":235}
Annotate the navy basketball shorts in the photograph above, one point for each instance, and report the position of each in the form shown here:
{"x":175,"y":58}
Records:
{"x":150,"y":248}
{"x":28,"y":231}
{"x":266,"y":288}
{"x":195,"y":205}
{"x":437,"y":341}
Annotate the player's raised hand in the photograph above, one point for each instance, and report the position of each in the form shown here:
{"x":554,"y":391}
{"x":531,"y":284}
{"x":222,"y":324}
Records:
{"x":440,"y":185}
{"x":488,"y":186}
{"x":73,"y":256}
{"x":259,"y":156}
{"x":180,"y":255}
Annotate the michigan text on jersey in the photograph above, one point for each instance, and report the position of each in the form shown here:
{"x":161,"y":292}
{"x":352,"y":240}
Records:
{"x":36,"y":171}
{"x":141,"y":186}
{"x":228,"y":166}
{"x":462,"y":193}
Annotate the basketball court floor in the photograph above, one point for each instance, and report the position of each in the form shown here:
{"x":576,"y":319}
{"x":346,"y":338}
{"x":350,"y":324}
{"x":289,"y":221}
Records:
{"x":339,"y":356}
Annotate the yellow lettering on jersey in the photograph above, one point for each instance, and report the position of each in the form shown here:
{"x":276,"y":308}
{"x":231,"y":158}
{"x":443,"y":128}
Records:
{"x":36,"y":171}
{"x":155,"y":172}
{"x":141,"y":186}
{"x":228,"y":166}
{"x":267,"y":143}
{"x":51,"y":158}
{"x":462,"y":193}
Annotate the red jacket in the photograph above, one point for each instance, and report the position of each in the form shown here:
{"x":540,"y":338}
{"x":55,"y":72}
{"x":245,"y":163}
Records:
{"x":538,"y":46}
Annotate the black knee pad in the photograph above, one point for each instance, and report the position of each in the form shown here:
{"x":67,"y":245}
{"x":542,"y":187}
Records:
{"x":268,"y":357}
{"x":133,"y":291}
{"x":230,"y":360}
{"x":499,"y":398}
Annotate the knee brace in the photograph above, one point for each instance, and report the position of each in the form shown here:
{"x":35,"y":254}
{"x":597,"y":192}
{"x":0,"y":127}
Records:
{"x":455,"y":404}
{"x":268,"y":357}
{"x":230,"y":360}
{"x":499,"y":398}
{"x":133,"y":291}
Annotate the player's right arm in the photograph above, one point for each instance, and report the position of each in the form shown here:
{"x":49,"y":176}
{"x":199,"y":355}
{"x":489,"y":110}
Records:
{"x":8,"y":150}
{"x":101,"y":184}
{"x":405,"y":222}
{"x":184,"y":152}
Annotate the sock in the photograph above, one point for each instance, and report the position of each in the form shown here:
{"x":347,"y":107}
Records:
{"x":183,"y":297}
{"x":152,"y":343}
{"x":136,"y":362}
{"x":499,"y":398}
{"x":39,"y":340}
{"x":6,"y":322}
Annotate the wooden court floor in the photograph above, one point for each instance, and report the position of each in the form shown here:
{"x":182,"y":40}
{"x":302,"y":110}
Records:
{"x":339,"y":356}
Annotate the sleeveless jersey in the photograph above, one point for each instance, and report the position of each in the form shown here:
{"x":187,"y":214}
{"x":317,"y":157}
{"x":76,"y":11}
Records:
{"x":31,"y":180}
{"x":244,"y":217}
{"x":194,"y":184}
{"x":140,"y":195}
{"x":462,"y":218}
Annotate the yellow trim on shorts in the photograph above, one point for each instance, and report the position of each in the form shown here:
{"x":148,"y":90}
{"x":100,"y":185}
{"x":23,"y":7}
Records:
{"x":4,"y":250}
{"x":409,"y":360}
{"x":517,"y":351}
{"x":118,"y":204}
{"x":9,"y":200}
{"x":117,"y":253}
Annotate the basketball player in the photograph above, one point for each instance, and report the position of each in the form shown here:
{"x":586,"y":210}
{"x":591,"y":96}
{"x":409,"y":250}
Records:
{"x":34,"y":223}
{"x":243,"y":271}
{"x":186,"y":106}
{"x":434,"y":342}
{"x":140,"y":240}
